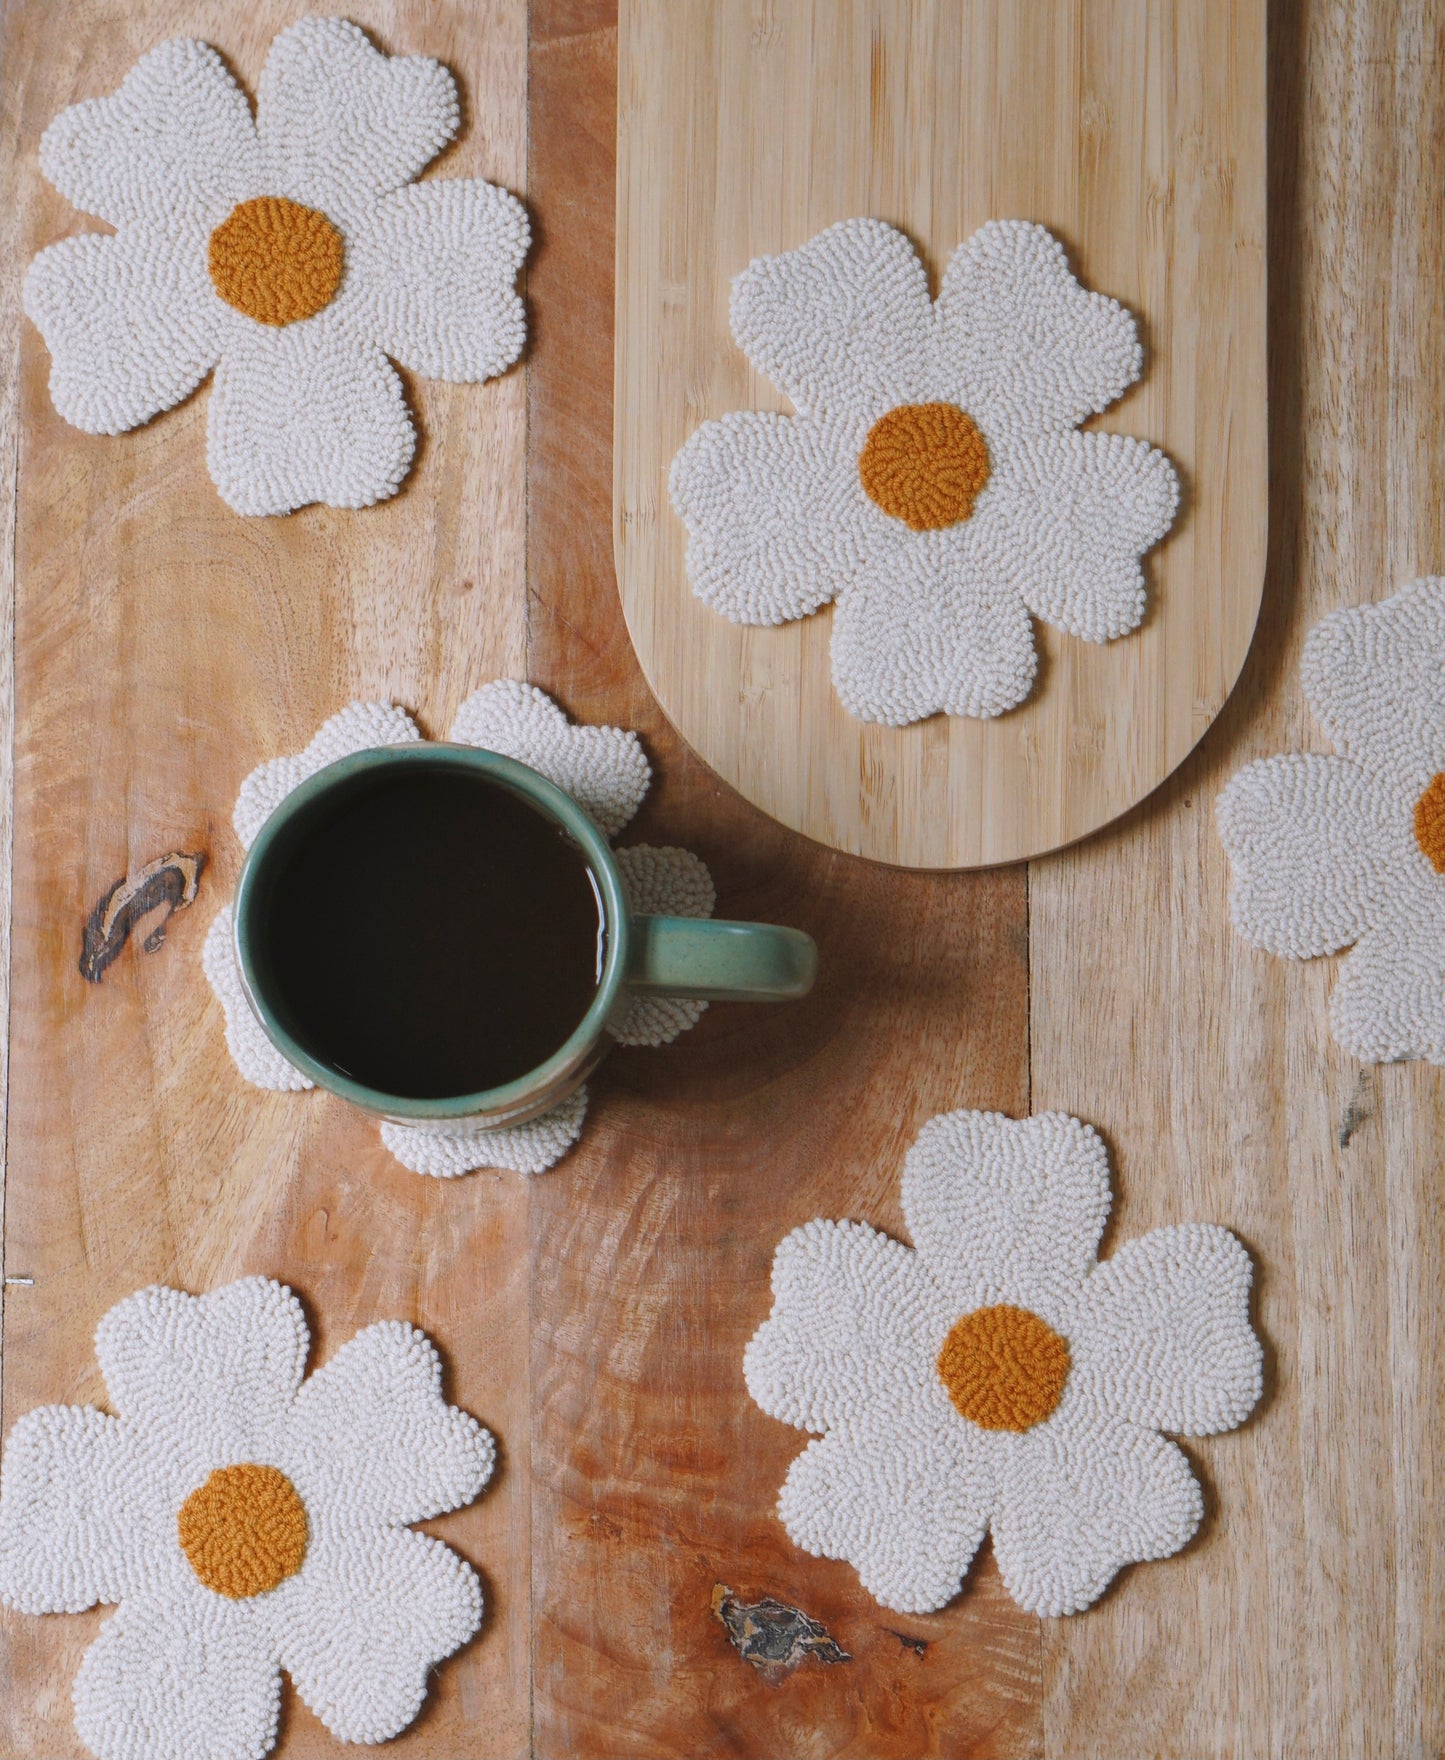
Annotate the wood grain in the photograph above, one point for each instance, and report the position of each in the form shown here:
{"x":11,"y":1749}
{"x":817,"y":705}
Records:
{"x":163,"y":646}
{"x":595,"y":1319}
{"x":1136,"y":133}
{"x":656,"y":1478}
{"x":1309,"y":1619}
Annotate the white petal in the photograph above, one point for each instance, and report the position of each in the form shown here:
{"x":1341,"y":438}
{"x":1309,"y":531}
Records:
{"x":371,"y":1440}
{"x":775,"y":512}
{"x":519,"y":1148}
{"x":1375,"y":676}
{"x":206,"y":1380}
{"x":436,"y":263}
{"x":666,"y":882}
{"x":1079,"y":1499}
{"x":1319,"y":849}
{"x":855,"y":1327}
{"x":904,"y":1499}
{"x":131,"y":325}
{"x":357,"y":728}
{"x":842,"y":324}
{"x":192,"y":1678}
{"x":1389,"y":999}
{"x":1071,"y":515}
{"x":1025,"y":345}
{"x":1163,"y":1336}
{"x":75,"y":1525}
{"x":926,"y":627}
{"x":342,"y":124}
{"x":258,"y":1060}
{"x":363,"y":1625}
{"x":604,"y":769}
{"x":1007,"y":1210}
{"x":663,"y":883}
{"x":308,"y":412}
{"x":174,"y":148}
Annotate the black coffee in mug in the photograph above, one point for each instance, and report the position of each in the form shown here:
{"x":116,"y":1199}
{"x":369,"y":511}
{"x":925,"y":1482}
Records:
{"x":432,"y":934}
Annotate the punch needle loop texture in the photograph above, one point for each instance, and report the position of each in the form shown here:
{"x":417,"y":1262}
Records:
{"x":606,"y":772}
{"x":292,"y":254}
{"x":932,"y":484}
{"x":997,"y":1376}
{"x":247,"y":1520}
{"x":1340,"y":850}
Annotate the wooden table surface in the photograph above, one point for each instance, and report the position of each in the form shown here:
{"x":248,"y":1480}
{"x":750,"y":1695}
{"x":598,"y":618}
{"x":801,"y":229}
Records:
{"x":595,"y":1317}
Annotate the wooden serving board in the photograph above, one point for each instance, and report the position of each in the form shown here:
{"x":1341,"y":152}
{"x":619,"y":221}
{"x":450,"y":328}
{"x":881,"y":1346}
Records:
{"x":1136,"y":133}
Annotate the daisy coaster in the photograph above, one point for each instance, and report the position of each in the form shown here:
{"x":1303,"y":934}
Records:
{"x":606,"y":772}
{"x":932,"y":483}
{"x":291,"y":253}
{"x":997,"y":1376}
{"x":246,"y":1520}
{"x":1333,"y":851}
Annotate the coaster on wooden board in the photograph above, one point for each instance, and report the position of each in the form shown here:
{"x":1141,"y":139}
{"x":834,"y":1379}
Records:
{"x":998,"y":1376}
{"x":246,"y":1521}
{"x":1334,"y":851}
{"x":606,"y":772}
{"x":932,"y":481}
{"x":293,"y":254}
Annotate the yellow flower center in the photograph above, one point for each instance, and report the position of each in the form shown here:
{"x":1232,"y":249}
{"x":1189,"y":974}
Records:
{"x":1430,"y":823}
{"x":925,"y":463}
{"x":244,"y":1530}
{"x":276,"y":261}
{"x":1004,"y":1368}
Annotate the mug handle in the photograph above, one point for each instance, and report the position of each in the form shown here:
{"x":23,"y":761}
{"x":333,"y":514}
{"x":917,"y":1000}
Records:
{"x":717,"y":961}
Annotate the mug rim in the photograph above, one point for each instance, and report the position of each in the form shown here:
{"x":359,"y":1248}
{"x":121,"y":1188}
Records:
{"x":509,"y":1100}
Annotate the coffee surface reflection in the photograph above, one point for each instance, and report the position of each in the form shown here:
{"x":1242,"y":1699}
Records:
{"x":432,"y":935}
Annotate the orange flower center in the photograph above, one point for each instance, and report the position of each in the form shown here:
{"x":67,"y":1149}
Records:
{"x":925,"y":463}
{"x":276,"y":261}
{"x":1430,"y":823}
{"x":1004,"y":1368}
{"x":244,"y":1530}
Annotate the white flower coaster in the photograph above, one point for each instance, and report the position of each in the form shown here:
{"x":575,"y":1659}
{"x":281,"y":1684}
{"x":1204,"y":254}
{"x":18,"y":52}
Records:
{"x":996,"y":1375}
{"x":246,"y":1521}
{"x":606,"y":772}
{"x":292,"y":254}
{"x":932,"y":481}
{"x":1329,"y":851}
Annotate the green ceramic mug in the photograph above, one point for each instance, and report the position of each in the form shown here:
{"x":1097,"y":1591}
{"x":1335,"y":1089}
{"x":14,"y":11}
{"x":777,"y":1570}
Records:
{"x":701,"y":958}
